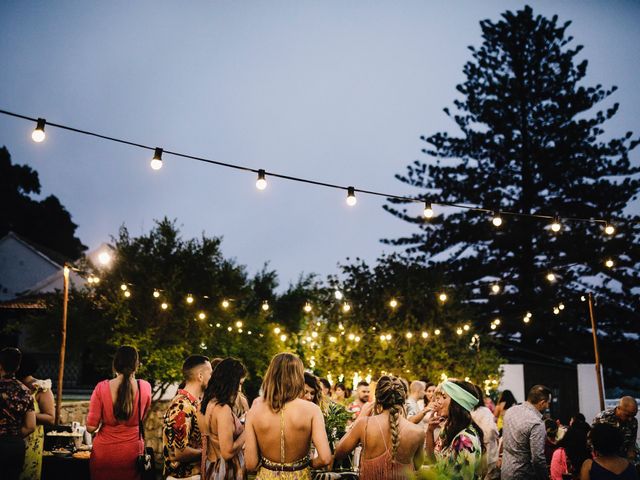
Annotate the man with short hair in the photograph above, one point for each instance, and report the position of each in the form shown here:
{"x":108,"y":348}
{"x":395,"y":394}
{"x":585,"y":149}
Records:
{"x":623,"y":416}
{"x":523,"y":437}
{"x":181,"y":438}
{"x":416,"y":409}
{"x":362,"y":397}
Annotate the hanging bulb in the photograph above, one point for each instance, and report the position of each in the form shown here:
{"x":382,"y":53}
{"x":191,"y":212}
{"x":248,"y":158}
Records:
{"x":277,"y":330}
{"x":283,"y":338}
{"x":393,"y":303}
{"x":551,"y":277}
{"x":383,"y":337}
{"x":496,"y":220}
{"x":459,"y":331}
{"x":202,"y":315}
{"x":225,"y":303}
{"x":526,"y":319}
{"x":164,"y":306}
{"x":127,"y":293}
{"x":351,"y":196}
{"x":261,"y":183}
{"x":346,"y":307}
{"x":442,"y":297}
{"x":409,"y":335}
{"x":123,"y":287}
{"x":497,"y":321}
{"x":338,"y":294}
{"x":609,"y":263}
{"x":555,"y":225}
{"x":425,"y":334}
{"x":38,"y":134}
{"x":307,"y":307}
{"x":561,"y":306}
{"x":493,"y":326}
{"x":156,"y":161}
{"x":239,"y":324}
{"x":466,"y":328}
{"x":495,"y":288}
{"x":189,"y":299}
{"x":556,"y":311}
{"x":609,"y":229}
{"x":428,"y":210}
{"x":156,"y":294}
{"x":265,"y":306}
{"x":388,"y":336}
{"x":437,"y":331}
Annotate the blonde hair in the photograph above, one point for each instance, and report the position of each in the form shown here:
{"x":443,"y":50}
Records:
{"x":391,"y":393}
{"x":284,"y":381}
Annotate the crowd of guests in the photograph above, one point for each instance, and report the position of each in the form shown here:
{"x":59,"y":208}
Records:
{"x":396,"y":429}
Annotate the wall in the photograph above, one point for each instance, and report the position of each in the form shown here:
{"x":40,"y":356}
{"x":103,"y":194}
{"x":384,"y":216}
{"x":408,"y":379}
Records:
{"x":513,"y":379}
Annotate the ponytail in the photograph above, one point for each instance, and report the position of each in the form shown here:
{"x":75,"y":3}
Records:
{"x":125,"y":362}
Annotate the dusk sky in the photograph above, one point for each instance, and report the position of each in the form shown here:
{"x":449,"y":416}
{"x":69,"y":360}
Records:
{"x":335,"y":91}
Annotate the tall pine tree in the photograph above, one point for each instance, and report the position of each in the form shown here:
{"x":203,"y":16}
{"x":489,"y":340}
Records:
{"x":531,"y":140}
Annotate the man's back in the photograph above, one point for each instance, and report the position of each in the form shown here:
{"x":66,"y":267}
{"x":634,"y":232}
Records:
{"x":523,"y":437}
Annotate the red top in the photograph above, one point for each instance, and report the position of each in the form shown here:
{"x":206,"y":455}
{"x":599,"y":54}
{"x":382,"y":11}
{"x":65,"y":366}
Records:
{"x":117,"y":443}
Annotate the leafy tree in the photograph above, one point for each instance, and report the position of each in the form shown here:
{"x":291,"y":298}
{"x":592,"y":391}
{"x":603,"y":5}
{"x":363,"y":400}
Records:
{"x":531,"y":140}
{"x":45,"y":222}
{"x":337,"y":343}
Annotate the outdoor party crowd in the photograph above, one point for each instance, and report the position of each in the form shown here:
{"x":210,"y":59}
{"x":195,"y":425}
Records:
{"x":393,"y":428}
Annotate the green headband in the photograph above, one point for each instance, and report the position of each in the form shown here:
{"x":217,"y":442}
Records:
{"x":466,"y":400}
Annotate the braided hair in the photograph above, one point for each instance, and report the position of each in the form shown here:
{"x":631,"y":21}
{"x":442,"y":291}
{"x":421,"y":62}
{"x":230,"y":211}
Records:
{"x":391,"y":394}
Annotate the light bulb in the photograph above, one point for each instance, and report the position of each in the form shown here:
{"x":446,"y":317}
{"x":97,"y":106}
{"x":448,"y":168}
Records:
{"x":357,"y":338}
{"x":123,"y":287}
{"x":437,"y":331}
{"x":283,"y":338}
{"x":466,"y":328}
{"x":493,"y":326}
{"x":265,"y":306}
{"x":229,"y":329}
{"x":346,"y":307}
{"x":496,"y":220}
{"x":383,"y":337}
{"x":393,"y":303}
{"x":561,"y":306}
{"x":225,"y":303}
{"x":314,"y":334}
{"x":526,"y":319}
{"x":497,"y":321}
{"x":261,"y":183}
{"x":609,"y":263}
{"x":38,"y":134}
{"x":189,"y":299}
{"x":556,"y":311}
{"x":351,"y":336}
{"x":529,"y":315}
{"x":104,"y":258}
{"x":583,"y":298}
{"x":609,"y":229}
{"x":277,"y":330}
{"x":351,"y":196}
{"x":156,"y":161}
{"x":495,"y":288}
{"x":388,"y":336}
{"x":551,"y":277}
{"x":164,"y":306}
{"x":442,"y":297}
{"x":555,"y":225}
{"x":202,"y":315}
{"x":338,"y":294}
{"x":428,"y":210}
{"x":425,"y":334}
{"x":333,"y":339}
{"x":127,"y":293}
{"x":459,"y":331}
{"x":156,"y":294}
{"x":307,"y":307}
{"x":238,"y":324}
{"x":409,"y":335}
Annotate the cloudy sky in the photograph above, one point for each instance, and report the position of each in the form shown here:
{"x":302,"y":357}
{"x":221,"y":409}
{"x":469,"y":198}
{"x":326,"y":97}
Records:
{"x":331,"y":90}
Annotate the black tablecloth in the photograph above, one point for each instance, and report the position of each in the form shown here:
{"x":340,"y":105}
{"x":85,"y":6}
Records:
{"x":65,"y":468}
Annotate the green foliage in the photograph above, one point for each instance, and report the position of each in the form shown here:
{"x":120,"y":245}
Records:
{"x":531,"y":140}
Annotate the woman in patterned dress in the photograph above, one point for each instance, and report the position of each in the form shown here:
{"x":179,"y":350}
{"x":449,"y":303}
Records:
{"x":457,"y":453}
{"x":281,"y":425}
{"x":44,"y":405}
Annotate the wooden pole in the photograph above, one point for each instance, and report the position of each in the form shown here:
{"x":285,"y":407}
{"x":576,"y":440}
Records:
{"x":63,"y":342}
{"x":597,"y":354}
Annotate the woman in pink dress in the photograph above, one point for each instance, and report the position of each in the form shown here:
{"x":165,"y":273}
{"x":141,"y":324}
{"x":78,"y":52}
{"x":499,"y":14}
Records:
{"x":113,"y":412}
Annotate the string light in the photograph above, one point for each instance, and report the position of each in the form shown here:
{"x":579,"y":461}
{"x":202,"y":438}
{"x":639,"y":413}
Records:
{"x":561,"y":306}
{"x":346,"y":307}
{"x":38,"y":134}
{"x":307,"y":307}
{"x":466,"y":327}
{"x":556,"y":310}
{"x":459,"y":331}
{"x":425,"y":334}
{"x":283,"y":338}
{"x":351,"y":196}
{"x":265,"y":306}
{"x":442,"y":297}
{"x":189,"y":299}
{"x":551,"y":277}
{"x":351,"y":336}
{"x":164,"y":306}
{"x":609,"y":263}
{"x":277,"y":330}
{"x":202,"y":315}
{"x":493,"y":326}
{"x":383,"y":337}
{"x":528,"y":315}
{"x":156,"y":161}
{"x":428,"y":210}
{"x":583,"y":298}
{"x":238,"y":324}
{"x":388,"y":336}
{"x":497,"y":321}
{"x":123,"y":287}
{"x":333,"y":339}
{"x":437,"y":331}
{"x":495,"y":288}
{"x":156,"y":294}
{"x":229,"y":329}
{"x":526,"y":319}
{"x":127,"y":293}
{"x":261,"y":182}
{"x":338,"y":294}
{"x":555,"y":225}
{"x":393,"y":303}
{"x":225,"y":303}
{"x":609,"y":229}
{"x":496,"y":220}
{"x":314,"y":334}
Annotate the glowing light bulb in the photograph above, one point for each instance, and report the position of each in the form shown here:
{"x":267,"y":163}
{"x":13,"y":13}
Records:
{"x":443,"y":297}
{"x":425,"y":334}
{"x":609,"y":263}
{"x":409,"y":335}
{"x":156,"y":161}
{"x":609,"y":229}
{"x":333,"y":339}
{"x":555,"y":225}
{"x":561,"y":306}
{"x":459,"y":331}
{"x":357,"y":339}
{"x":265,"y":306}
{"x":437,"y":331}
{"x":307,"y":307}
{"x":393,"y":303}
{"x":556,"y":311}
{"x":217,"y":325}
{"x":529,"y":315}
{"x":526,"y":319}
{"x":383,"y":337}
{"x":338,"y":294}
{"x":189,"y":299}
{"x":225,"y":303}
{"x":202,"y":315}
{"x":283,"y":338}
{"x":314,"y":334}
{"x":104,"y":258}
{"x":229,"y":329}
{"x":127,"y":293}
{"x":495,"y":288}
{"x":277,"y":330}
{"x":493,"y":326}
{"x":351,"y":196}
{"x":38,"y":134}
{"x":551,"y":277}
{"x":428,"y":211}
{"x":123,"y":287}
{"x":96,"y":280}
{"x":496,"y":220}
{"x":388,"y":336}
{"x":346,"y":307}
{"x":351,"y":336}
{"x":583,"y":298}
{"x":156,"y":294}
{"x":164,"y":306}
{"x":261,"y":182}
{"x":466,"y":328}
{"x":238,"y":324}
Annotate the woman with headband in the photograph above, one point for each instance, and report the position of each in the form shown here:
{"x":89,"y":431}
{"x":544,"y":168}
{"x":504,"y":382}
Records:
{"x":457,"y":453}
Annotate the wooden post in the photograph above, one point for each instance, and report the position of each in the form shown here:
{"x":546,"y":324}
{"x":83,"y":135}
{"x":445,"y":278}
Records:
{"x":63,"y":342}
{"x":597,"y":353}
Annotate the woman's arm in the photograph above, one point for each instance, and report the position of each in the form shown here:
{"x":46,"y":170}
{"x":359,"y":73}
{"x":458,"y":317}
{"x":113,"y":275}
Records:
{"x":47,"y":406}
{"x":226,"y":428}
{"x":430,"y":443}
{"x":28,"y":424}
{"x":498,"y":410}
{"x":251,"y":451}
{"x":319,"y":439}
{"x":94,"y":417}
{"x":350,"y":441}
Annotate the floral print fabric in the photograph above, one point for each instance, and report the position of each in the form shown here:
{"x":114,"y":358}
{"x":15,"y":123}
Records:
{"x":462,"y":460}
{"x":34,"y":443}
{"x":180,"y":430}
{"x":15,"y":401}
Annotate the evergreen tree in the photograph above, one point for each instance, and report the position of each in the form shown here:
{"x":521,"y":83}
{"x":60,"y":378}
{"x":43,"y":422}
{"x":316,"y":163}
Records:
{"x":531,"y":140}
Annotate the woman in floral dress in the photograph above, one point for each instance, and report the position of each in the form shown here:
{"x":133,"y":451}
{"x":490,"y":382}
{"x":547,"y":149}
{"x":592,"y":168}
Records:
{"x":457,"y":453}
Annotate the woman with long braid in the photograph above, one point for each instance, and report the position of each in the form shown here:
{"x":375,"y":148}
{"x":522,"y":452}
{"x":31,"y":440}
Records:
{"x":392,"y":446}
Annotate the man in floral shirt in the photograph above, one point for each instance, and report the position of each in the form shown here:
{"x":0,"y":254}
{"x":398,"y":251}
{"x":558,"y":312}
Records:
{"x":623,"y":417}
{"x":181,"y":439}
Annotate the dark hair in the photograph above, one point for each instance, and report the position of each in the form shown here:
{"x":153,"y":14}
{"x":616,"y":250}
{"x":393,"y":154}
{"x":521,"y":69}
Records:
{"x":606,"y":439}
{"x":538,"y":393}
{"x":312,"y":381}
{"x":551,"y":427}
{"x":459,"y":418}
{"x":224,"y":385}
{"x":575,"y":444}
{"x":125,"y":362}
{"x":326,"y":383}
{"x":480,"y":394}
{"x":579,"y":417}
{"x":391,"y":393}
{"x":341,"y":387}
{"x":429,"y":384}
{"x":362,"y":384}
{"x":28,"y":366}
{"x":191,"y":362}
{"x":10,"y":359}
{"x":507,"y":397}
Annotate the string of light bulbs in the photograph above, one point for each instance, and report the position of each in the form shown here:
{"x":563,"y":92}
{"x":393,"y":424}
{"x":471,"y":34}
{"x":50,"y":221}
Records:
{"x":156,"y":163}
